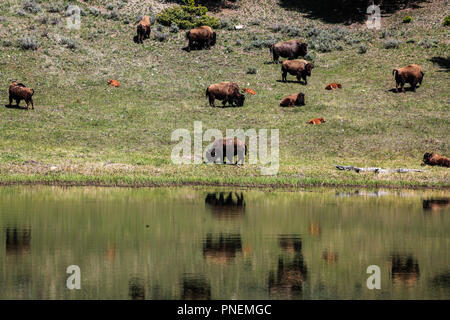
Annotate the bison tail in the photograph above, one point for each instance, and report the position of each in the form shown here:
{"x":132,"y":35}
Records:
{"x":394,"y":72}
{"x":207,"y":93}
{"x":32,"y":92}
{"x":214,"y":38}
{"x":187,"y":34}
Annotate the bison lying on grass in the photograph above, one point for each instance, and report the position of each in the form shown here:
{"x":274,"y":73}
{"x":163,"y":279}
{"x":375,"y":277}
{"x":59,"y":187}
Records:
{"x":291,"y":49}
{"x":411,"y":74}
{"x":143,"y":29}
{"x":18,"y":91}
{"x":333,"y":86}
{"x":114,"y":83}
{"x":299,"y":68}
{"x":433,"y":159}
{"x":293,"y":100}
{"x":219,"y":150}
{"x":316,"y":121}
{"x":227,"y":92}
{"x":201,"y":37}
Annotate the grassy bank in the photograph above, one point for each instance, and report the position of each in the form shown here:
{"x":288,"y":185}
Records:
{"x":84,"y":132}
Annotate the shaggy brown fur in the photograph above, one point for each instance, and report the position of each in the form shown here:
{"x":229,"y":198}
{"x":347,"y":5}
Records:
{"x":291,"y":49}
{"x":219,"y":150}
{"x":18,"y":91}
{"x":316,"y":121}
{"x":293,"y":100}
{"x":333,"y":86}
{"x":201,"y":37}
{"x":433,"y":159}
{"x":143,"y":29}
{"x":299,"y":68}
{"x":225,"y":91}
{"x":411,"y":74}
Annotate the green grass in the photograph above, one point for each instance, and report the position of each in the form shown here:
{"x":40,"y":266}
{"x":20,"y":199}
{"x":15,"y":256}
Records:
{"x":84,"y":131}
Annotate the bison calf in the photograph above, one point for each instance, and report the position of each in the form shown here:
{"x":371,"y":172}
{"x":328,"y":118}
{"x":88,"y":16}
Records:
{"x":227,"y":92}
{"x":433,"y":159}
{"x":18,"y":91}
{"x":316,"y":121}
{"x":201,"y":37}
{"x":411,"y":74}
{"x":299,"y":68}
{"x":219,"y":150}
{"x":293,"y":100}
{"x":291,"y":49}
{"x":333,"y":86}
{"x":143,"y":29}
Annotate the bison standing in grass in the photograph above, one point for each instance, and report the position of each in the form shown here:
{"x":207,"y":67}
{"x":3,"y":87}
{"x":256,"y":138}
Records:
{"x":227,"y":92}
{"x":293,"y":100}
{"x":299,"y":68}
{"x":18,"y":91}
{"x":291,"y":49}
{"x":201,"y":37}
{"x":219,"y":150}
{"x":433,"y":159}
{"x":143,"y":29}
{"x":411,"y":74}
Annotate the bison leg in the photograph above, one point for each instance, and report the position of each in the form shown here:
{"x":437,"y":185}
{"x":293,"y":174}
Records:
{"x":413,"y":85}
{"x":32,"y":104}
{"x":190,"y":44}
{"x":211,"y":100}
{"x":17,"y":102}
{"x":402,"y":87}
{"x":396,"y":86}
{"x":283,"y":76}
{"x":10,"y":100}
{"x":275,"y":58}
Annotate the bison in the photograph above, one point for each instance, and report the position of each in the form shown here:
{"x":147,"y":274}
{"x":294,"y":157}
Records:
{"x":201,"y":37}
{"x":225,"y":91}
{"x":333,"y":86}
{"x":293,"y":100}
{"x":291,"y":49}
{"x":316,"y":121}
{"x":18,"y":91}
{"x":218,"y":150}
{"x":143,"y":29}
{"x":114,"y":83}
{"x":411,"y":74}
{"x":300,"y":68}
{"x":433,"y":159}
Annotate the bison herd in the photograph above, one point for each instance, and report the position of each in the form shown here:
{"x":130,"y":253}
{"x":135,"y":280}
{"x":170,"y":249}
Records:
{"x":229,"y":92}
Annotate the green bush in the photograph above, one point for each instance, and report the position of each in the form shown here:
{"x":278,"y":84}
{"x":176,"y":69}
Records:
{"x":407,"y":19}
{"x":392,"y":44}
{"x":447,"y":21}
{"x":187,"y":17}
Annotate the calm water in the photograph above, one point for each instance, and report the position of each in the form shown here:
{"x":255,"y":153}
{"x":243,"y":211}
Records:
{"x":188,"y":243}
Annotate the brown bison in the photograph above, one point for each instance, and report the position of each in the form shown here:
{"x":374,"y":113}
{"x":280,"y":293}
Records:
{"x":18,"y":91}
{"x":433,"y":159}
{"x":300,"y":68}
{"x":219,"y":150}
{"x":291,"y":49}
{"x":225,"y":91}
{"x":201,"y":37}
{"x":143,"y":29}
{"x":316,"y":121}
{"x":333,"y":86}
{"x":293,"y":100}
{"x":113,"y":83}
{"x":411,"y":74}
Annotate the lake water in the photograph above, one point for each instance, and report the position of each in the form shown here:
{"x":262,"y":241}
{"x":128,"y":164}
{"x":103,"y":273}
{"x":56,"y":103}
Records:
{"x":189,"y":243}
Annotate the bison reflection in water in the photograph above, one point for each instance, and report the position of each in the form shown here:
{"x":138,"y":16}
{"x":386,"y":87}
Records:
{"x":18,"y":241}
{"x":195,"y":287}
{"x":435,"y":204}
{"x":287,"y":281}
{"x":224,"y":206}
{"x":221,"y":249}
{"x":136,"y":289}
{"x":405,"y":270}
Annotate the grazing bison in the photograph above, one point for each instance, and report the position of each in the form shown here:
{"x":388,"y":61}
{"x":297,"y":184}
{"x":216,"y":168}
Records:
{"x":143,"y":29}
{"x":225,"y":91}
{"x":316,"y":121}
{"x":291,"y":49}
{"x":333,"y":86}
{"x":411,"y":74}
{"x":201,"y":37}
{"x":293,"y":100}
{"x":219,"y":150}
{"x":300,"y":68}
{"x":433,"y":159}
{"x":114,"y":83}
{"x":18,"y":91}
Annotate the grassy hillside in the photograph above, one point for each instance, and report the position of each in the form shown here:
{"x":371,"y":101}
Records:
{"x":84,"y":131}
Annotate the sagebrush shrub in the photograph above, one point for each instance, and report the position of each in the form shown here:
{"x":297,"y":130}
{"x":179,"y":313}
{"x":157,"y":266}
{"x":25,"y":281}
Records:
{"x":392,"y":44}
{"x":31,"y":6}
{"x":28,"y":43}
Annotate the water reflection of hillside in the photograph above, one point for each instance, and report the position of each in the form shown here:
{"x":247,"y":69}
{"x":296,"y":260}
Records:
{"x":226,"y":205}
{"x":287,"y":281}
{"x":221,"y":249}
{"x":435,"y":204}
{"x":405,"y":270}
{"x":195,"y":287}
{"x":18,"y":241}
